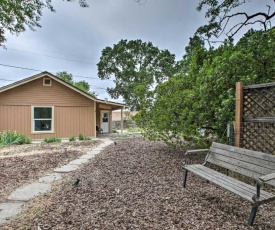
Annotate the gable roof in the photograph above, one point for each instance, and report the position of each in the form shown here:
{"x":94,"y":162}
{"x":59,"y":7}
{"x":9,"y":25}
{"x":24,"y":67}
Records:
{"x":47,"y":74}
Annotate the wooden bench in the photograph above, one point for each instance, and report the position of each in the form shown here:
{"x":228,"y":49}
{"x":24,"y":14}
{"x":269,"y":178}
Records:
{"x":256,"y":165}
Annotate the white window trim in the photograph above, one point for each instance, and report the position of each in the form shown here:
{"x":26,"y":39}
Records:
{"x":32,"y":120}
{"x":44,"y":84}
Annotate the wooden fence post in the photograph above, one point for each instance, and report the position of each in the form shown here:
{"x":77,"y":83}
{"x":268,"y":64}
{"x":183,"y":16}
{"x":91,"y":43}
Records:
{"x":239,"y":114}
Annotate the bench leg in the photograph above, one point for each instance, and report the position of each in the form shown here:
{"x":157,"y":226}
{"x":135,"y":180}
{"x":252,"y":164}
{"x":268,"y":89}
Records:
{"x":252,"y":216}
{"x":185,"y":178}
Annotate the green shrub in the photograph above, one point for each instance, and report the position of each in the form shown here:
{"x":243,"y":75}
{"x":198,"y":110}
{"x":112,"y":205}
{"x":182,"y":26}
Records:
{"x":72,"y":139}
{"x":81,"y":137}
{"x":52,"y":139}
{"x":114,"y":131}
{"x":13,"y":138}
{"x":137,"y":129}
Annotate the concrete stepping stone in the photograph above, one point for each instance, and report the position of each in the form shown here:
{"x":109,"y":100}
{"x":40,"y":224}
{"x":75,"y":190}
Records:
{"x":50,"y":178}
{"x":78,"y":161}
{"x":93,"y":152}
{"x":87,"y":156}
{"x":8,"y":210}
{"x":29,"y":191}
{"x":66,"y":168}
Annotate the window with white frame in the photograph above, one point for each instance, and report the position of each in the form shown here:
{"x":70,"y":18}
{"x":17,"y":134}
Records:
{"x":42,"y":119}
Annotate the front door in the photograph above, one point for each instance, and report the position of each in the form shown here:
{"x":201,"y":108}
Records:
{"x":105,"y":122}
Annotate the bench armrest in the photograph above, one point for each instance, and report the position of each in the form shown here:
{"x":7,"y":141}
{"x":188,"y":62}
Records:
{"x":196,"y":151}
{"x":262,"y":180}
{"x":267,"y":177}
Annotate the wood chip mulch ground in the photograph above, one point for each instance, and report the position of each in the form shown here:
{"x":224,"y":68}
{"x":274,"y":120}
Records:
{"x":137,"y":184}
{"x":44,"y":158}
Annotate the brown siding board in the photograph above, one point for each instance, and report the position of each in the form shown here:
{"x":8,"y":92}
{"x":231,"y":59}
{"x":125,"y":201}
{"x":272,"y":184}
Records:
{"x":33,"y":93}
{"x":68,"y":121}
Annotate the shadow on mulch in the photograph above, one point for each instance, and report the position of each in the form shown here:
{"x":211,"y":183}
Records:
{"x":137,"y":184}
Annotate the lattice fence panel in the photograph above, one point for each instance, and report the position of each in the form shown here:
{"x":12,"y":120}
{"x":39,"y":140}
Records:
{"x":259,"y":103}
{"x":258,"y":127}
{"x":259,"y":136}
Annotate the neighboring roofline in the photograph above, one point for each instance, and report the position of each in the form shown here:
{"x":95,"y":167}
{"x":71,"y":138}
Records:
{"x":45,"y":73}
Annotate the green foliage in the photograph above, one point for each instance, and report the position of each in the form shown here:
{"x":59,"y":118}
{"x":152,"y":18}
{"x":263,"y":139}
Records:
{"x":52,"y":140}
{"x":13,"y":138}
{"x":82,"y":85}
{"x":81,"y":137}
{"x":16,"y":15}
{"x":137,"y":66}
{"x":114,"y":131}
{"x":71,"y":139}
{"x":134,"y":130}
{"x":202,"y":96}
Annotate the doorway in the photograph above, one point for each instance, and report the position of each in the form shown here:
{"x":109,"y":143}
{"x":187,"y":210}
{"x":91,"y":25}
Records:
{"x":105,"y":121}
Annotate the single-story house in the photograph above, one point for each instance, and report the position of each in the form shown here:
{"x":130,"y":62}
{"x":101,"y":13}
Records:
{"x":44,"y":105}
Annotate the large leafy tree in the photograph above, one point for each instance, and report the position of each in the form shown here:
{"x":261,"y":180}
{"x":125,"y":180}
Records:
{"x":225,"y":17}
{"x":203,"y":98}
{"x":17,"y":15}
{"x":82,"y":85}
{"x":137,"y":68}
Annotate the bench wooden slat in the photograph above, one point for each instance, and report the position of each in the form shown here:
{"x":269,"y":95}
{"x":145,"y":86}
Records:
{"x":241,"y":167}
{"x":261,"y":163}
{"x":240,"y":163}
{"x":268,"y":177}
{"x":234,"y":168}
{"x":237,"y":187}
{"x":255,"y":154}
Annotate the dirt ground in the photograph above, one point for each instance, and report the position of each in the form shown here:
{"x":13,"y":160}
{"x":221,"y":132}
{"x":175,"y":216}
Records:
{"x":21,"y":164}
{"x":137,"y":184}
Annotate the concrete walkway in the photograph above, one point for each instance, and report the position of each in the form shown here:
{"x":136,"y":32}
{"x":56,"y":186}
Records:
{"x":27,"y":192}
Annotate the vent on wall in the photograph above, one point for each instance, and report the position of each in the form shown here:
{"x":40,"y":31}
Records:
{"x":47,"y":81}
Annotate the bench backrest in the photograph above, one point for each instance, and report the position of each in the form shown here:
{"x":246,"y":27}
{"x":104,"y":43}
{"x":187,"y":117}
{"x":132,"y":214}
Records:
{"x":246,"y":162}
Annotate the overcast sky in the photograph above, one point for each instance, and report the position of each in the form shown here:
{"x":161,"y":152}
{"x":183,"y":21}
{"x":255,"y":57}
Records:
{"x":72,"y":38}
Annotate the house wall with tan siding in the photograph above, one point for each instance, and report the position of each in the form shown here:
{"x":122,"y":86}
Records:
{"x":73,"y":113}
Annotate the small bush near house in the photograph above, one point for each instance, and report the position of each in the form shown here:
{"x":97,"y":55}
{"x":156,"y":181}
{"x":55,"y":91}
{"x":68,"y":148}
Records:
{"x":72,"y":139}
{"x":81,"y":137}
{"x":52,"y":139}
{"x":114,"y":131}
{"x":13,"y":138}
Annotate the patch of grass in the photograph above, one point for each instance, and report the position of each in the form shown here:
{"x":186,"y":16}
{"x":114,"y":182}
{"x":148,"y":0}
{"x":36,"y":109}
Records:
{"x":81,"y":137}
{"x":132,"y":130}
{"x":52,"y":139}
{"x":13,"y":138}
{"x":71,"y":139}
{"x":124,"y":136}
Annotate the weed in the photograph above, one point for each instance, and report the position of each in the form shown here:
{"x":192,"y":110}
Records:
{"x":72,"y":139}
{"x":13,"y":138}
{"x":81,"y":137}
{"x":52,"y":139}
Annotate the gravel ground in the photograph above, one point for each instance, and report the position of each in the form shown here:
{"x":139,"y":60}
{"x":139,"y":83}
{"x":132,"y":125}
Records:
{"x":35,"y":160}
{"x":137,"y":184}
